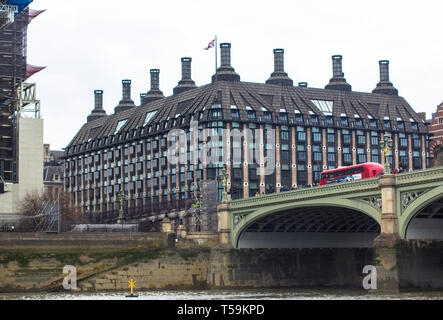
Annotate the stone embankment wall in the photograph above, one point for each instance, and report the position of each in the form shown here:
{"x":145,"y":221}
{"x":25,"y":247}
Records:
{"x":34,"y":262}
{"x":154,"y":263}
{"x":420,"y":264}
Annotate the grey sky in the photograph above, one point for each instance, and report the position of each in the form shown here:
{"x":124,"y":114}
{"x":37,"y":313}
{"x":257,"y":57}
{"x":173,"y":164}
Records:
{"x":88,"y":45}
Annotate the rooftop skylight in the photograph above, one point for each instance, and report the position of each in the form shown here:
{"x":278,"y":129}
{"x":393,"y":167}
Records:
{"x":120,"y":124}
{"x":323,"y":105}
{"x":149,"y":116}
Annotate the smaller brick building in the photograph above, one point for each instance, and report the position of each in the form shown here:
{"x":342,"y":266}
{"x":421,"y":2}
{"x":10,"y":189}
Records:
{"x":436,"y":138}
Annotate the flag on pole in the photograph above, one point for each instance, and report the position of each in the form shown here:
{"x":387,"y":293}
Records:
{"x":210,"y":45}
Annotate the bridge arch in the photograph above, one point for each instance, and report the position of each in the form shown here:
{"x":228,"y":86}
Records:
{"x":415,"y":208}
{"x":341,"y":205}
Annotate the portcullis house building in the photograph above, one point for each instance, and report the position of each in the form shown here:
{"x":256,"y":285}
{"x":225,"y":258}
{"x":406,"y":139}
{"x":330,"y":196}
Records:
{"x":311,"y":130}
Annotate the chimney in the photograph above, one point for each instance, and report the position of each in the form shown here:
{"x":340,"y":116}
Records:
{"x":142,"y":96}
{"x":186,"y":82}
{"x":279,"y":61}
{"x":186,"y":68}
{"x":155,"y":79}
{"x":225,"y":54}
{"x":98,"y":99}
{"x":337,"y":67}
{"x":225,"y":72}
{"x":98,"y":111}
{"x":337,"y":82}
{"x":155,"y":93}
{"x":385,"y":86}
{"x":126,"y":102}
{"x":279,"y":76}
{"x":126,"y":88}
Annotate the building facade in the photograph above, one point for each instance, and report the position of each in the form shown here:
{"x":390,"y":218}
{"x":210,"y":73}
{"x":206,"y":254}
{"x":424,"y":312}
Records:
{"x":436,"y":138}
{"x":265,"y":135}
{"x":21,"y":137}
{"x":52,"y":171}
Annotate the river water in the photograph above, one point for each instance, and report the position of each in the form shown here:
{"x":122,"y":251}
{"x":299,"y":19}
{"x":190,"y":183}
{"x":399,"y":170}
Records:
{"x":241,"y":294}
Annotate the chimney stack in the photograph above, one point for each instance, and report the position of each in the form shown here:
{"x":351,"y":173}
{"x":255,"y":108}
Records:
{"x":225,"y":72}
{"x":155,"y":93}
{"x":186,"y":68}
{"x":155,"y":79}
{"x":186,"y":82}
{"x":126,"y":88}
{"x":337,"y":82}
{"x":98,"y":111}
{"x":98,"y":99}
{"x":126,"y":102}
{"x":279,"y":76}
{"x":142,"y":96}
{"x":385,"y":86}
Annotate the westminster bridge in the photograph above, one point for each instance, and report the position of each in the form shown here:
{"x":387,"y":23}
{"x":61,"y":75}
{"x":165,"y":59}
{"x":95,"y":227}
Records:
{"x":349,"y":214}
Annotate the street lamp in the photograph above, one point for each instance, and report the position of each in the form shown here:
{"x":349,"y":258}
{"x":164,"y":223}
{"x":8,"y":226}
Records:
{"x":121,"y":197}
{"x":224,"y":178}
{"x":386,"y":146}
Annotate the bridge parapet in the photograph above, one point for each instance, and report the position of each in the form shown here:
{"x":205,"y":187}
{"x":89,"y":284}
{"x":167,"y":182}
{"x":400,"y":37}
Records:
{"x":419,"y":177}
{"x":366,"y":185}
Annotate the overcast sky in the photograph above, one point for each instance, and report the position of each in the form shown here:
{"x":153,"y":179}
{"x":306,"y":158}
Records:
{"x":89,"y":45}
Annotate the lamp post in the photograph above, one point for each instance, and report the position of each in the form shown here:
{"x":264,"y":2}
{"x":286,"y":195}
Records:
{"x":386,"y":146}
{"x":121,"y":197}
{"x":224,"y":178}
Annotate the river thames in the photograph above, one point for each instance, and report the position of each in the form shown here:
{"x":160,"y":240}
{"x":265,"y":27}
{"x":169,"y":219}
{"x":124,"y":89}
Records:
{"x":249,"y":294}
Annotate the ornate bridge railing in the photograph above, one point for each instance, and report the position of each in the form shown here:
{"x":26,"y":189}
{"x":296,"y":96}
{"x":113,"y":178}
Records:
{"x":361,"y":186}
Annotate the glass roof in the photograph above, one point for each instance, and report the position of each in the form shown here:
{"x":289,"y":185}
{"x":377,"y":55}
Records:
{"x":149,"y":116}
{"x":323,"y":105}
{"x":120,"y":124}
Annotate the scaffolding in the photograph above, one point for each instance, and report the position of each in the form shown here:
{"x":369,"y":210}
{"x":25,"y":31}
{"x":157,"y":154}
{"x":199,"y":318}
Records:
{"x":7,"y":14}
{"x":48,"y":218}
{"x":202,"y":216}
{"x":13,"y":39}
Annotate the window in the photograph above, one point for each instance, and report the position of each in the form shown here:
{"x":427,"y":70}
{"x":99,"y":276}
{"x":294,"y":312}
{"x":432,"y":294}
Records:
{"x":403,"y":142}
{"x":120,"y":124}
{"x":216,"y":113}
{"x":284,"y":135}
{"x":361,"y":139}
{"x":299,"y":118}
{"x":440,"y":120}
{"x":251,"y":114}
{"x":267,"y":115}
{"x":314,"y":119}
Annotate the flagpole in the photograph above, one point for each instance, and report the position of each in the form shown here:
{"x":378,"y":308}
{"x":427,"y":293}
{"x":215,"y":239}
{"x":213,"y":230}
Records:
{"x":216,"y":54}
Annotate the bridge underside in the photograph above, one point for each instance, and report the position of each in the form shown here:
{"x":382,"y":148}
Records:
{"x":311,"y":227}
{"x":428,"y":223}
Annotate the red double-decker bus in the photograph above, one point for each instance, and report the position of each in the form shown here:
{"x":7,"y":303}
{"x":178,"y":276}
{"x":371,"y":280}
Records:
{"x":351,"y":173}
